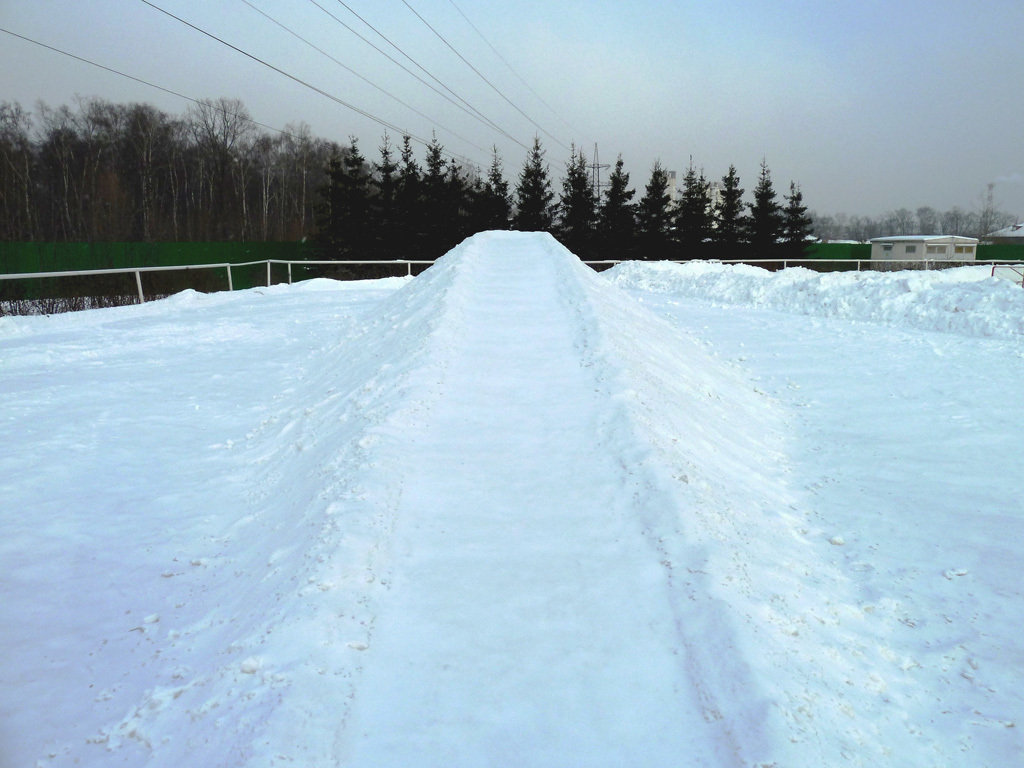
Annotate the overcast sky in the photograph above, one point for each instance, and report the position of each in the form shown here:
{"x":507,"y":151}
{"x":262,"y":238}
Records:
{"x":868,"y":105}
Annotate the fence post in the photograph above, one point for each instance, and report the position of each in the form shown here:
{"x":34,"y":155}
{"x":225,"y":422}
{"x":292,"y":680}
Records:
{"x":138,"y":284}
{"x":289,"y":273}
{"x":268,"y":273}
{"x":231,"y":286}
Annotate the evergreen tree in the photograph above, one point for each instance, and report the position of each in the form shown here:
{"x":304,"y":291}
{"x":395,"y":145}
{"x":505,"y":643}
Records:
{"x":476,"y":199}
{"x":408,"y":209}
{"x":386,"y":182}
{"x":654,"y":217}
{"x":617,"y":217}
{"x":576,"y":208}
{"x":797,"y":224}
{"x":694,"y":217}
{"x":455,"y":212}
{"x":345,"y":229}
{"x":436,"y":196}
{"x":730,"y":224}
{"x":766,"y":221}
{"x":328,"y":212}
{"x":533,"y":193}
{"x":494,"y":199}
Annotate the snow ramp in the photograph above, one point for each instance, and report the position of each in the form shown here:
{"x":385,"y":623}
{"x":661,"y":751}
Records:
{"x":545,"y":600}
{"x":513,"y":519}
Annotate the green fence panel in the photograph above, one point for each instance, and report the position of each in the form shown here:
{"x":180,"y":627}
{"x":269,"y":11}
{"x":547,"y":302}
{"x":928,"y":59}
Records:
{"x":851,"y":251}
{"x":1001,"y":252}
{"x":59,"y":257}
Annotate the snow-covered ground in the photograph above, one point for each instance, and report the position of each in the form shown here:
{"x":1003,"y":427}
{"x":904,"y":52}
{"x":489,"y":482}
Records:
{"x":515,"y":513}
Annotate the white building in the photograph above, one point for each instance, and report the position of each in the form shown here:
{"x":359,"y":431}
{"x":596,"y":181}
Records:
{"x":924,"y":247}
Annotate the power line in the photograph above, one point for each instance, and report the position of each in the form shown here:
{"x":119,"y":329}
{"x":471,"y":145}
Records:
{"x":322,"y":92}
{"x":481,"y":76}
{"x":512,"y":70}
{"x":151,"y":85}
{"x":461,"y":158}
{"x":419,"y":66}
{"x":400,"y":131}
{"x":410,"y":72}
{"x":361,"y":77}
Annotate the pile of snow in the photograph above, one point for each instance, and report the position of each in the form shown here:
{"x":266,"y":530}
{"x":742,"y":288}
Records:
{"x":966,"y":300}
{"x":510,"y":513}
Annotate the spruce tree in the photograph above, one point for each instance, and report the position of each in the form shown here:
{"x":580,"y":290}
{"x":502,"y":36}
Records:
{"x":654,"y":217}
{"x":435,"y":208}
{"x":797,"y":224}
{"x":408,"y":205}
{"x":533,"y":193}
{"x":766,"y":221}
{"x":476,"y":200}
{"x":576,"y":209}
{"x":386,"y":182}
{"x":730,"y":224}
{"x":345,"y":229}
{"x":617,"y":217}
{"x":455,"y":212}
{"x":328,"y":212}
{"x":495,"y":200}
{"x":694,"y":217}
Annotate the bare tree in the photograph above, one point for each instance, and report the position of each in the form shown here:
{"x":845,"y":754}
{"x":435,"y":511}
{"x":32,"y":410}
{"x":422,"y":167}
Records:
{"x":901,"y":222}
{"x":927,"y":221}
{"x":222,"y":131}
{"x":16,"y":173}
{"x":58,"y":159}
{"x":955,"y":221}
{"x":147,"y":157}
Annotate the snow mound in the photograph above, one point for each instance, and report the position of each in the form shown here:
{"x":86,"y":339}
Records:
{"x":962,"y":300}
{"x":328,"y":284}
{"x":268,"y":614}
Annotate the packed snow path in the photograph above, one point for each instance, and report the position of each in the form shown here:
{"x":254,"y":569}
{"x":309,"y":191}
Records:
{"x":528,"y":613}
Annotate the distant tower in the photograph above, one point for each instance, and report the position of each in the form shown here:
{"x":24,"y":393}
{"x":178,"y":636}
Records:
{"x":673,"y":189}
{"x":595,"y":170}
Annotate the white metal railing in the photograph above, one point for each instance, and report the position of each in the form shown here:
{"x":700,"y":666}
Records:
{"x":139,"y":271}
{"x":786,"y":262}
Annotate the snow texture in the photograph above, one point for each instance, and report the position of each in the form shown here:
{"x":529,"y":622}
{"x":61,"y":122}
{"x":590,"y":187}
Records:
{"x":515,"y":513}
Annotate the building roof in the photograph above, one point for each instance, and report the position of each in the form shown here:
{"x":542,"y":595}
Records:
{"x":925,"y":239}
{"x":1014,"y":230}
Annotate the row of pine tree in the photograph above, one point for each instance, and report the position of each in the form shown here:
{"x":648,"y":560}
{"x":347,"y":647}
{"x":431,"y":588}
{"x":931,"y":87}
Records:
{"x":392,"y":208}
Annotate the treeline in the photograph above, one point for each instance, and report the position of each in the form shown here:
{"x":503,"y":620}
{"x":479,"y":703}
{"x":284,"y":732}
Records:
{"x":130,"y":172}
{"x":110,"y":172}
{"x":922,"y":221}
{"x":391,"y":206}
